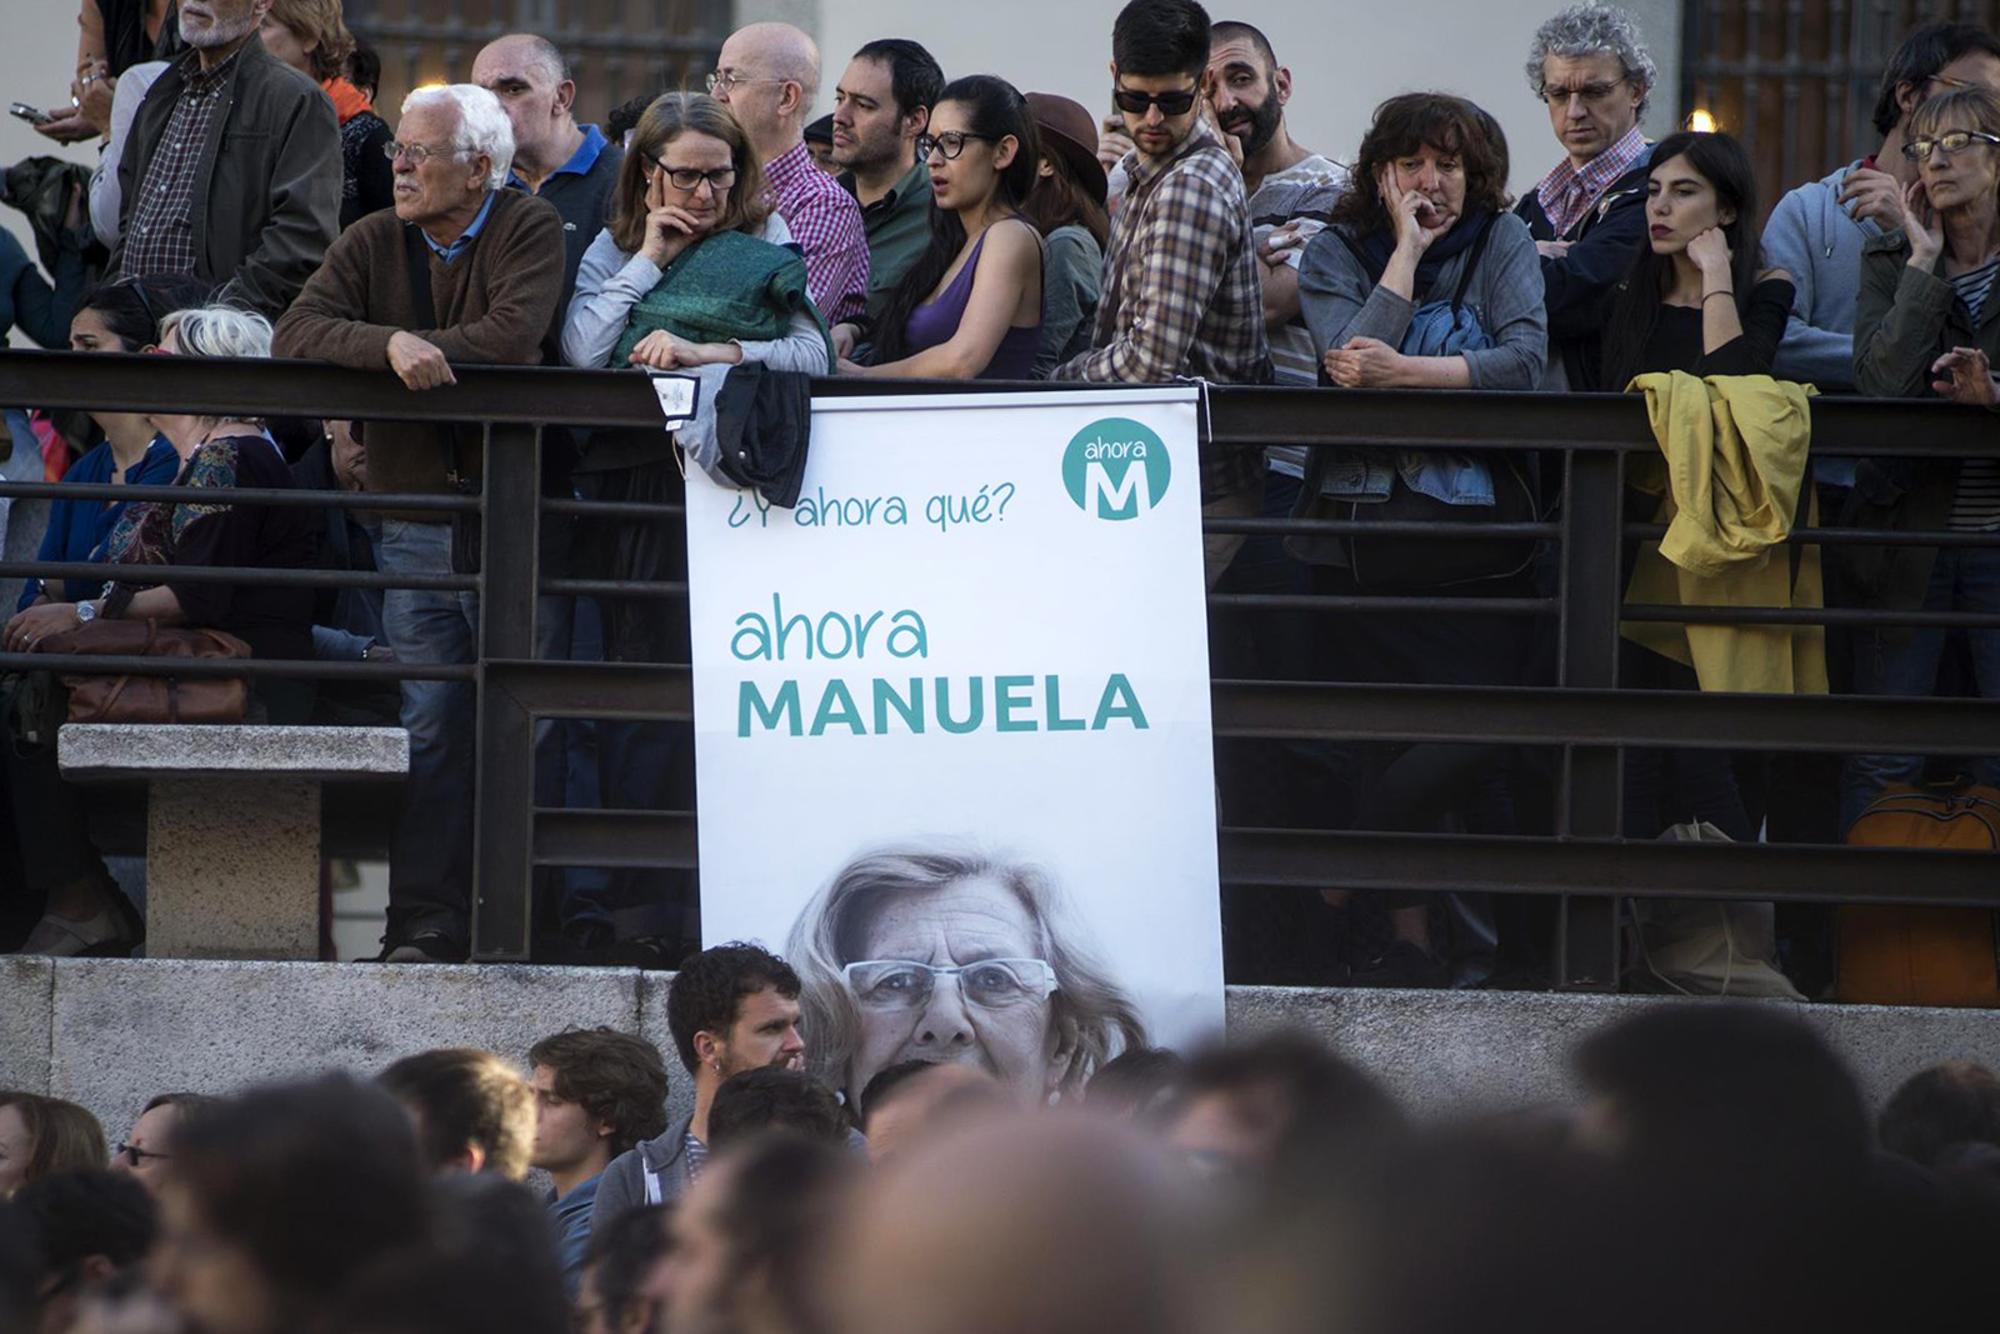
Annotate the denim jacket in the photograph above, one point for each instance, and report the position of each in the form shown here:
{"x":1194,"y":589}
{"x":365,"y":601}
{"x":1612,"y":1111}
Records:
{"x":1341,"y":301}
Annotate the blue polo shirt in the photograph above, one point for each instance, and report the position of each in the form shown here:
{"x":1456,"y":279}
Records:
{"x":580,"y":189}
{"x":448,"y":253}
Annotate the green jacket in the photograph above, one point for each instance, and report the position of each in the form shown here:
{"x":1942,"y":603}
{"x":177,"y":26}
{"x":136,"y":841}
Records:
{"x":1904,"y":320}
{"x":729,"y":286}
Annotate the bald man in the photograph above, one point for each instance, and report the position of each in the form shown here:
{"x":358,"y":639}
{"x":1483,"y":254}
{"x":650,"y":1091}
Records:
{"x":768,"y":76}
{"x":572,"y":166}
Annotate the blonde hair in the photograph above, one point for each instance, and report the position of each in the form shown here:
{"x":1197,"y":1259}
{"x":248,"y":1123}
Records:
{"x":666,"y":120}
{"x":1089,"y":1011}
{"x":319,"y":21}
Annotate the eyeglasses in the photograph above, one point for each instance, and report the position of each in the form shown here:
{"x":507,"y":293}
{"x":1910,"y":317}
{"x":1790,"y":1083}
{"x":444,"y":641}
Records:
{"x":1954,"y":141}
{"x":723,"y":80}
{"x":949,"y":144}
{"x":418,"y":154}
{"x":1176,"y":103}
{"x":1591,"y":93}
{"x":687,"y":178}
{"x":137,"y":1156}
{"x":991,"y":984}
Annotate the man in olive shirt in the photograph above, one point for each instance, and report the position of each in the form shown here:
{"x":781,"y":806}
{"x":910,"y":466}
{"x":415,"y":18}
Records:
{"x":882,"y":104}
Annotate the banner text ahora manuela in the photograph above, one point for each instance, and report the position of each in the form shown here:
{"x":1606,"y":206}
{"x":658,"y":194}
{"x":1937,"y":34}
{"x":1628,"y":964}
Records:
{"x":878,"y":705}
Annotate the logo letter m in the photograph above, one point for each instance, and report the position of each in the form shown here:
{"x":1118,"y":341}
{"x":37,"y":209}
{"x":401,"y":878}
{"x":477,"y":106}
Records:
{"x":1129,"y":497}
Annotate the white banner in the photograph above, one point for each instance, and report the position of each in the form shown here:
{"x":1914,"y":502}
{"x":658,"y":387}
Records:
{"x":952,"y":732}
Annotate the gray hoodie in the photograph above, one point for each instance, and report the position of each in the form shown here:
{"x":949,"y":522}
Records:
{"x":1811,"y":237}
{"x":624,"y":1183}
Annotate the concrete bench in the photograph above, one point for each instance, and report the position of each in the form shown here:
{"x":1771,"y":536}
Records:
{"x":232,"y":824}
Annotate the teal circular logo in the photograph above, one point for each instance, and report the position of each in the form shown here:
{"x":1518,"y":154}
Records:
{"x":1116,"y":469}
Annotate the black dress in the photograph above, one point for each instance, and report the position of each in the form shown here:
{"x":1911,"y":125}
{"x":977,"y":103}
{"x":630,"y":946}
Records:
{"x":1667,"y":787}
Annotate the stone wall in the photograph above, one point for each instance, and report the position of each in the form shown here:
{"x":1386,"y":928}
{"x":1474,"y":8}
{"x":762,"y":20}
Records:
{"x":112,"y":1033}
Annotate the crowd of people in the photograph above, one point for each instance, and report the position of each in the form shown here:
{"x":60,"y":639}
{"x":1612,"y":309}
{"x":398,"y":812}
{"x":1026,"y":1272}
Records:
{"x":1720,"y":1170}
{"x":726,"y":235}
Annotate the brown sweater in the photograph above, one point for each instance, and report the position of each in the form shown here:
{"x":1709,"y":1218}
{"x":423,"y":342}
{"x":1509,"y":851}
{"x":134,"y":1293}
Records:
{"x":497,"y":303}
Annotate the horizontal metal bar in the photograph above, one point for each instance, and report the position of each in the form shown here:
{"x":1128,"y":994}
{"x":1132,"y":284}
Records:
{"x":615,"y":588}
{"x":1950,"y":620}
{"x":1524,"y":716}
{"x":1787,"y":873}
{"x":1396,"y":528}
{"x":1848,"y":537}
{"x":634,"y":509}
{"x":249,"y":576}
{"x":317,"y":668}
{"x":1385,"y":603}
{"x":1497,"y":715}
{"x":1316,"y":859}
{"x":299,"y":498}
{"x":1393,"y":418}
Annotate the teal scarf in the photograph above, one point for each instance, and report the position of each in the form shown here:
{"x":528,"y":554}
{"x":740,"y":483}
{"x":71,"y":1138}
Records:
{"x":725,"y":286}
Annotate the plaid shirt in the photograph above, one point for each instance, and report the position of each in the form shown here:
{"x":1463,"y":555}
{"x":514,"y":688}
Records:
{"x":1566,"y":194}
{"x":1181,"y":295}
{"x":826,"y":226}
{"x":161,"y":239}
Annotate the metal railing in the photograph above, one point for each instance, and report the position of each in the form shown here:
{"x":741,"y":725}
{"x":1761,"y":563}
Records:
{"x":1582,"y":717}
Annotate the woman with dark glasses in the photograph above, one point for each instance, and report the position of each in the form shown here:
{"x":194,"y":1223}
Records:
{"x":970,"y":308}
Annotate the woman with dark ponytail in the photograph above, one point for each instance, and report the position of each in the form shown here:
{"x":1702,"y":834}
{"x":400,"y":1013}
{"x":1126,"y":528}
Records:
{"x":970,"y":308}
{"x":1698,"y":299}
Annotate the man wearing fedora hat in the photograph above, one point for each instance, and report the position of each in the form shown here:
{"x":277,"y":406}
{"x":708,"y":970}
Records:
{"x":1067,"y":207}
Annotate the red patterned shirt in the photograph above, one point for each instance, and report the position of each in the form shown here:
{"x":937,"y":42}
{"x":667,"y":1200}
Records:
{"x":1566,"y":194}
{"x":826,"y":226}
{"x":161,"y":236}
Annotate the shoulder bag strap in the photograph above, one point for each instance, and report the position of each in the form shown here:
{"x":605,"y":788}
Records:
{"x":1472,"y":258}
{"x":416,"y":256}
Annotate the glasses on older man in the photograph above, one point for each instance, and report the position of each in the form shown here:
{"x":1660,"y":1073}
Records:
{"x":1953,"y":141}
{"x":1591,"y":93}
{"x":991,"y":984}
{"x":725,"y":79}
{"x":948,"y":145}
{"x":418,"y":154}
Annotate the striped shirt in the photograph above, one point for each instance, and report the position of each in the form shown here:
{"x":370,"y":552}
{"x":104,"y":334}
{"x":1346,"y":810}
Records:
{"x":826,"y":227}
{"x":1301,"y":196}
{"x":1181,"y":295}
{"x":696,"y":1151}
{"x":1976,"y":507}
{"x":160,"y":239}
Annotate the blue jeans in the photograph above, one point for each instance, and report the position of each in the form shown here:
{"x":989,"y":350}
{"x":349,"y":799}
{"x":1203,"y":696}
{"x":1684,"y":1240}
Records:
{"x":430,"y":871}
{"x":1963,"y":579}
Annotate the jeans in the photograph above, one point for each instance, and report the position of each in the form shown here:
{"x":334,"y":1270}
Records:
{"x":1887,"y":662}
{"x":430,"y":871}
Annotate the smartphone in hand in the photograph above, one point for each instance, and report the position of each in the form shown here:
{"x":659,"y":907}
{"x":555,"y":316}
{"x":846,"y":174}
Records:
{"x":30,"y":114}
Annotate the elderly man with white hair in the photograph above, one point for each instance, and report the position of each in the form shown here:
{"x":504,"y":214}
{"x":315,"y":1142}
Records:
{"x":1588,"y":215}
{"x":462,"y":271}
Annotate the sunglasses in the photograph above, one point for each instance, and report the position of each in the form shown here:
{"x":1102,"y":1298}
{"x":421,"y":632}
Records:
{"x":1176,"y":103}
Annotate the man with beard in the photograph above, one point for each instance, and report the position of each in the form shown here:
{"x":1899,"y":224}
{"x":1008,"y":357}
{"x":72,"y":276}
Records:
{"x":882,"y":104}
{"x":231,"y":172}
{"x":731,"y":1008}
{"x":1291,"y":188}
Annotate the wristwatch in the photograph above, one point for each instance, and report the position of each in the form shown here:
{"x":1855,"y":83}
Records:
{"x":86,"y":612}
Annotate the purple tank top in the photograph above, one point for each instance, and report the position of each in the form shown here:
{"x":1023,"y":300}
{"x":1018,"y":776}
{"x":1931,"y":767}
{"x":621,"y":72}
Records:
{"x":934,"y":322}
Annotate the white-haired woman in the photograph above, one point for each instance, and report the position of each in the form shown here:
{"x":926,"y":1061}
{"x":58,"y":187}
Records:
{"x":84,"y":911}
{"x":943,"y":955}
